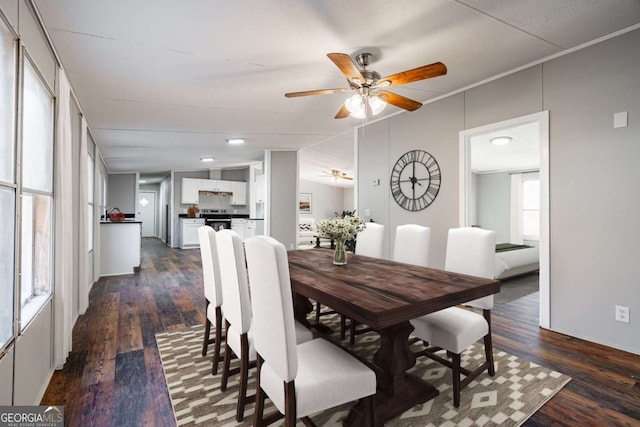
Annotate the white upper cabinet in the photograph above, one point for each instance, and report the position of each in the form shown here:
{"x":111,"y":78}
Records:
{"x":239,"y":190}
{"x":260,"y":189}
{"x":192,"y":186}
{"x":190,"y":189}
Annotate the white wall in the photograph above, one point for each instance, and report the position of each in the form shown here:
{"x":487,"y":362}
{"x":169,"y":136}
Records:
{"x":594,"y":202}
{"x":325,"y":199}
{"x":493,"y":198}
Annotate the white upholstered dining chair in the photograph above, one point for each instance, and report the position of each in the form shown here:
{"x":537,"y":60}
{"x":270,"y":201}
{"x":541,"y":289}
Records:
{"x":471,"y":251}
{"x":212,"y":293}
{"x":411,"y":244}
{"x":237,"y":311}
{"x":369,"y":242}
{"x":238,"y":314}
{"x":300,"y":379}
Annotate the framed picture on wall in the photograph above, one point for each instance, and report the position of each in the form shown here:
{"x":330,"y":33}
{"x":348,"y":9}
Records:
{"x":304,"y":203}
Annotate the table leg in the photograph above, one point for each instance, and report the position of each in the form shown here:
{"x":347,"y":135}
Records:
{"x":397,"y":390}
{"x":301,"y":307}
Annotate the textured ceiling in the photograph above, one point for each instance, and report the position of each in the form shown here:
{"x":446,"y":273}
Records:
{"x":164,"y":83}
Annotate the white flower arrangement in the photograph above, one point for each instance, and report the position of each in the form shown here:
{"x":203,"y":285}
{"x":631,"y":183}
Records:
{"x":341,"y":228}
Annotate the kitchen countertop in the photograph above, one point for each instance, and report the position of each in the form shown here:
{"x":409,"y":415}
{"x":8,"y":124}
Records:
{"x":126,"y":221}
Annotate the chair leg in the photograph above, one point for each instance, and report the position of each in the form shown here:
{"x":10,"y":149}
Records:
{"x":205,"y":341}
{"x":290,"y":404}
{"x":456,"y":379}
{"x":488,"y":346}
{"x":369,"y":411}
{"x":318,"y":308}
{"x":244,"y":377}
{"x":343,"y":326}
{"x":352,"y":332}
{"x":258,"y":413}
{"x":218,"y":333}
{"x":227,"y":361}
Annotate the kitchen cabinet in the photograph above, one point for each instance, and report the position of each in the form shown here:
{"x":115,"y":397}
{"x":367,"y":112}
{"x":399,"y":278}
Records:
{"x":215,"y":185}
{"x":239,"y":190}
{"x":239,"y":225}
{"x":192,"y":186}
{"x":189,"y":232}
{"x":190,"y":191}
{"x":260,"y":189}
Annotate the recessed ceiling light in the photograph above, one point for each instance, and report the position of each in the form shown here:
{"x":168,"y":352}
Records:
{"x":207,"y":159}
{"x":501,"y":140}
{"x":235,"y":141}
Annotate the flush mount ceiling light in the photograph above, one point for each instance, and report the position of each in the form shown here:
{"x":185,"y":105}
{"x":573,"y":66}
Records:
{"x":207,"y":159}
{"x":501,"y":140}
{"x":235,"y":141}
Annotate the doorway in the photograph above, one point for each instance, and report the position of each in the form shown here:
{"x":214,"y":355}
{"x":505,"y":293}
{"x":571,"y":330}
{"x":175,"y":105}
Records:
{"x":536,"y":128}
{"x":147,"y":209}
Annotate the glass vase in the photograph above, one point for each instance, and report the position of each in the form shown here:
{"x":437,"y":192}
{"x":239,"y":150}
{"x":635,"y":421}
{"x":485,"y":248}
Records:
{"x":340,"y":253}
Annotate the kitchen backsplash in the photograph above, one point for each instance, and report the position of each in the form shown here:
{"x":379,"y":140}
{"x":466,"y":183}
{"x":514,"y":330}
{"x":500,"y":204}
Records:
{"x":220,"y":201}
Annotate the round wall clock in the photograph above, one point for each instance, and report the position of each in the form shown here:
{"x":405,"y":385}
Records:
{"x":415,"y":180}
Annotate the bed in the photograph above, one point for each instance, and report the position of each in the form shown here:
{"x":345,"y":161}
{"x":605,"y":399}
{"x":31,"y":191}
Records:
{"x":514,"y":260}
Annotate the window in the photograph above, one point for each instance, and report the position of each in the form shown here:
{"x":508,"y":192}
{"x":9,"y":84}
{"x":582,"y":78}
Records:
{"x":530,"y":208}
{"x":7,"y":239}
{"x":90,"y":208}
{"x":7,"y":182}
{"x":36,"y":241}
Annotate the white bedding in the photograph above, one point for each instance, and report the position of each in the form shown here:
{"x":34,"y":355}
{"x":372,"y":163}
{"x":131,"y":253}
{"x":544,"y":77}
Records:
{"x":519,"y":261}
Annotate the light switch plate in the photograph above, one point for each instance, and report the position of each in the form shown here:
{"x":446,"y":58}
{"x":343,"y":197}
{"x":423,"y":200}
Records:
{"x":620,"y":120}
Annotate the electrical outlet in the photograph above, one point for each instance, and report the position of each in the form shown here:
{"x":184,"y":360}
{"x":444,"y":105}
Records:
{"x":622,"y":313}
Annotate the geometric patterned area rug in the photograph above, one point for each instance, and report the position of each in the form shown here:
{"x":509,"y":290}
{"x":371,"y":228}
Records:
{"x":518,"y":389}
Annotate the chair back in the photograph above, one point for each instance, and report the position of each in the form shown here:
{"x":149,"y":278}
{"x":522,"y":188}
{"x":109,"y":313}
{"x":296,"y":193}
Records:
{"x":272,"y":303}
{"x":369,"y":241}
{"x":411,"y":244}
{"x":472,"y":250}
{"x":233,"y":274}
{"x":210,"y":265}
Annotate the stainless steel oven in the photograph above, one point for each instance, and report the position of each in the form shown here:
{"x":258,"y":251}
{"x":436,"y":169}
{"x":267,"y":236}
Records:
{"x":218,"y":219}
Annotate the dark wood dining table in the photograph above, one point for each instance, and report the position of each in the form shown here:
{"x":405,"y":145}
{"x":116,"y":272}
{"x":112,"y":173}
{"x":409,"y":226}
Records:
{"x":384,"y":295}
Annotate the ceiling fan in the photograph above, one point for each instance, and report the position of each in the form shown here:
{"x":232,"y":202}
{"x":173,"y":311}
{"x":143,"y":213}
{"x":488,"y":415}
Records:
{"x":370,"y":88}
{"x":335,"y":173}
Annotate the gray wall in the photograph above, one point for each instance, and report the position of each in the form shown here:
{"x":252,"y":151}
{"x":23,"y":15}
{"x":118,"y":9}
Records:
{"x":594,"y":198}
{"x":121,"y":192}
{"x":325,"y":199}
{"x":493,"y":199}
{"x":282,"y":170}
{"x":594,"y":202}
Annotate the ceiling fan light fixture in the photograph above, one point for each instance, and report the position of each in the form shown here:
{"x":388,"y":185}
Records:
{"x":355,"y":104}
{"x":501,"y":140}
{"x":376,"y":104}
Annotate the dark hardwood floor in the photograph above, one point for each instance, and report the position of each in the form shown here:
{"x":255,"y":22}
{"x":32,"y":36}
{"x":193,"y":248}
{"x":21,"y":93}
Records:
{"x":114,"y":376}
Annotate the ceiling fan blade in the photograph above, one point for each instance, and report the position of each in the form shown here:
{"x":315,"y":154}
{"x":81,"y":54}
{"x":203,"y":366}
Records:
{"x":343,"y":113}
{"x":398,"y":100}
{"x":425,"y":72}
{"x":346,"y":177}
{"x":315,"y":92}
{"x":347,"y":66}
